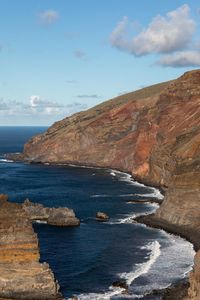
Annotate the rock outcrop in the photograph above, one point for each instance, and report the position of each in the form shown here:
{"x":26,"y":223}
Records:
{"x":154,"y":134}
{"x":61,"y":216}
{"x":22,"y":276}
{"x":101,"y":216}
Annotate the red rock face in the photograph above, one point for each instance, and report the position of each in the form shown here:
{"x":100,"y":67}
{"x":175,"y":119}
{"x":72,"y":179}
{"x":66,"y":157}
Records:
{"x":153,"y":133}
{"x":154,"y":137}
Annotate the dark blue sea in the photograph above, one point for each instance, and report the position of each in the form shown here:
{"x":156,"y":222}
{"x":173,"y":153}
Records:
{"x":86,"y":260}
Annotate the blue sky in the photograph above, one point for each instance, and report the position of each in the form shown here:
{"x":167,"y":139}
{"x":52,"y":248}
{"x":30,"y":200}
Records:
{"x":58,"y":57}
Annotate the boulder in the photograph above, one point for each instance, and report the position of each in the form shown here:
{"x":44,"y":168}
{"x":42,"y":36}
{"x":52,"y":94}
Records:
{"x":101,"y":216}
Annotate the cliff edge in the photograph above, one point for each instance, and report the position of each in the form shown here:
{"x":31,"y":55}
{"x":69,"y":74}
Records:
{"x":153,"y":133}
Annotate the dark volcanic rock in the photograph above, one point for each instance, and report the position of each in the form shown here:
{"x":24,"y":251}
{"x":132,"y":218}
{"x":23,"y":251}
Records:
{"x":120,"y":283}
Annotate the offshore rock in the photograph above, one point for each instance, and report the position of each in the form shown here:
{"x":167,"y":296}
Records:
{"x":101,"y":216}
{"x":22,"y":276}
{"x":154,"y":134}
{"x":61,"y":216}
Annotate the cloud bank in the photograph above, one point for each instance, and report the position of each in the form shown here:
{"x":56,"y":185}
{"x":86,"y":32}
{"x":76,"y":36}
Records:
{"x":169,"y":36}
{"x":38,"y":107}
{"x":181,"y":59}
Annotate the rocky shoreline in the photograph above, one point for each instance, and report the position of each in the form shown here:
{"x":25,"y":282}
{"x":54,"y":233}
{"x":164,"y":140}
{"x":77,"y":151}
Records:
{"x":37,"y":212}
{"x":154,"y":134}
{"x":22,"y":276}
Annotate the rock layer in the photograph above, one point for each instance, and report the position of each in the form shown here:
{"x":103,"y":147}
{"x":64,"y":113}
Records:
{"x":153,"y":133}
{"x":22,"y":276}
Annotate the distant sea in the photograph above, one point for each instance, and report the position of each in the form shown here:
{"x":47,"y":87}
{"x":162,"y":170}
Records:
{"x":86,"y":260}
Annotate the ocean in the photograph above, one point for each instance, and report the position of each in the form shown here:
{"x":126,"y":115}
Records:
{"x":86,"y":260}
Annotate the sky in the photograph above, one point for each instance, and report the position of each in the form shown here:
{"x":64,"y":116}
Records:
{"x":58,"y":57}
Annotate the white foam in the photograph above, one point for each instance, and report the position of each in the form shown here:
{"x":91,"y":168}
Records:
{"x":40,"y":222}
{"x":143,"y":268}
{"x":6,"y":160}
{"x":127,"y":219}
{"x":154,"y":247}
{"x":112,"y":173}
{"x":102,"y":296}
{"x":128,"y":178}
{"x":102,"y":195}
{"x":154,"y":194}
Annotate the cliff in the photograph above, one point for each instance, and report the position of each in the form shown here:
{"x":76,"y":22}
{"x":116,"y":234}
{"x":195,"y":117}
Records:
{"x":153,"y":133}
{"x":22,"y":276}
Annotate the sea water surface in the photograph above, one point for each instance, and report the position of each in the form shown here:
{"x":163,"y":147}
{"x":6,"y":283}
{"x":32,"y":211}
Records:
{"x":86,"y":260}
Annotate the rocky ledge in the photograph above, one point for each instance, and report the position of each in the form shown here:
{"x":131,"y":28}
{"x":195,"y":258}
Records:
{"x":61,"y":216}
{"x":22,"y":276}
{"x":154,"y":134}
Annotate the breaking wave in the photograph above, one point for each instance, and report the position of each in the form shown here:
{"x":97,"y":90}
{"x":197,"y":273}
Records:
{"x":143,"y":268}
{"x":6,"y":160}
{"x":154,"y":192}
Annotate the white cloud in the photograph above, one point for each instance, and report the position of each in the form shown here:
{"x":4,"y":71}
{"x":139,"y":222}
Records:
{"x":39,"y":107}
{"x":166,"y":34}
{"x":42,"y":106}
{"x":181,"y":59}
{"x":34,"y":100}
{"x":48,"y":17}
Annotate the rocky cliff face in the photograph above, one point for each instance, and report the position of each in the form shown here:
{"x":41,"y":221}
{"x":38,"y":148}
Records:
{"x":22,"y":276}
{"x":154,"y":134}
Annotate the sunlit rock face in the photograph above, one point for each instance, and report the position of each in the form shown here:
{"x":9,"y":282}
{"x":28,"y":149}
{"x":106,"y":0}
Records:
{"x":22,"y":276}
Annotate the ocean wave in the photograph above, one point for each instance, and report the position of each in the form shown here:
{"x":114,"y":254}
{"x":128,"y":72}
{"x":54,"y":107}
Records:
{"x":6,"y":160}
{"x":101,"y":296}
{"x":112,"y":173}
{"x":143,"y":268}
{"x":154,"y":247}
{"x":127,"y":219}
{"x":155,"y":193}
{"x":40,"y":222}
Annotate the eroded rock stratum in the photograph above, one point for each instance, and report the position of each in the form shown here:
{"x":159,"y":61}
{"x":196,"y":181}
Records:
{"x":22,"y":276}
